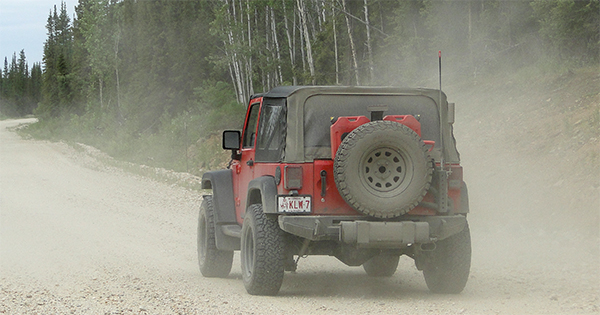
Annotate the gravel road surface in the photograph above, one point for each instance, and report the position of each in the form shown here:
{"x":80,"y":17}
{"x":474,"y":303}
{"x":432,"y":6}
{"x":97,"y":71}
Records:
{"x":77,"y":237}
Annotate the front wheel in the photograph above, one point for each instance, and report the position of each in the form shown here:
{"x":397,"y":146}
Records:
{"x":262,"y":252}
{"x":446,"y":268}
{"x":212,"y":261}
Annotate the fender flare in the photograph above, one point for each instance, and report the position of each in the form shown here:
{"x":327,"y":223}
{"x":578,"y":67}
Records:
{"x":221,"y":184}
{"x":263,"y":190}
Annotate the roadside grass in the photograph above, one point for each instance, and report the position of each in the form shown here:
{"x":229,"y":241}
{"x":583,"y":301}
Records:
{"x":176,"y":154}
{"x":163,"y":175}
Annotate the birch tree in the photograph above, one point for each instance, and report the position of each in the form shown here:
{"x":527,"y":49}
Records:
{"x":290,"y":43}
{"x":352,"y":46}
{"x":369,"y":46}
{"x":304,"y":22}
{"x":274,"y":30}
{"x":335,"y":48}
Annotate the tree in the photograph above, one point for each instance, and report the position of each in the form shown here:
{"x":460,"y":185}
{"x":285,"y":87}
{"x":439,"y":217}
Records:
{"x":570,"y":28}
{"x":306,"y":36}
{"x":35,"y":87}
{"x":57,"y":89}
{"x":352,"y":45}
{"x":20,"y":89}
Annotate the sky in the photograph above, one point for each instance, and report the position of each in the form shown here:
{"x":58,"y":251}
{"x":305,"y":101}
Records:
{"x":23,"y":26}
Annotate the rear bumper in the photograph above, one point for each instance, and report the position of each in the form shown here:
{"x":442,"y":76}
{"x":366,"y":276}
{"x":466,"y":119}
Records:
{"x":362,"y":232}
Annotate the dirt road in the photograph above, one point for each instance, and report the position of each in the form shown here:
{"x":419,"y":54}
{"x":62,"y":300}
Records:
{"x":80,"y":238}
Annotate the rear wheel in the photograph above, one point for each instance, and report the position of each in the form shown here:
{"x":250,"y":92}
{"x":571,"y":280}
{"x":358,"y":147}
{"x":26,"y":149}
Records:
{"x":212,"y":261}
{"x":446,"y":268}
{"x":262,"y":252}
{"x":382,"y":265}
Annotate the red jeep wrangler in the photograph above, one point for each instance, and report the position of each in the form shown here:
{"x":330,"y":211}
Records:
{"x":365,"y":174}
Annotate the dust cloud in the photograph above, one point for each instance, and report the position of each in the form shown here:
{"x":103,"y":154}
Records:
{"x":529,"y":140}
{"x":530,"y":158}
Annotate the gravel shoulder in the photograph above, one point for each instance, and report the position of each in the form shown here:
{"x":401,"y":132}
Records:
{"x":80,"y":237}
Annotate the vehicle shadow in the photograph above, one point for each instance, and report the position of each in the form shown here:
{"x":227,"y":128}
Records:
{"x":353,"y":284}
{"x":327,"y":277}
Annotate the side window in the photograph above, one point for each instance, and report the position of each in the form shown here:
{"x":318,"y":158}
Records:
{"x":250,"y":132}
{"x":271,"y":131}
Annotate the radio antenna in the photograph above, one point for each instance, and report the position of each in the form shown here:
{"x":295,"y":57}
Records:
{"x":443,"y":182}
{"x":440,"y":71}
{"x":440,"y":106}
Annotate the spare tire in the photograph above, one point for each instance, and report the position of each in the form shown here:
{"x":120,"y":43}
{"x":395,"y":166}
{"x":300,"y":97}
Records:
{"x":382,"y":169}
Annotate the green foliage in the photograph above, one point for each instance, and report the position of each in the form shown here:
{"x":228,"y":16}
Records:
{"x":571,"y":28}
{"x":57,"y":92}
{"x":20,"y":89}
{"x":402,"y":55}
{"x":217,"y":109}
{"x":178,"y":142}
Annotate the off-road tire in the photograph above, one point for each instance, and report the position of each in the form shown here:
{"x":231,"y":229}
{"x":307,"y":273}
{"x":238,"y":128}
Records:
{"x":262,"y":252}
{"x":446,"y":268}
{"x":382,"y":265}
{"x":212,"y":261}
{"x":382,"y":169}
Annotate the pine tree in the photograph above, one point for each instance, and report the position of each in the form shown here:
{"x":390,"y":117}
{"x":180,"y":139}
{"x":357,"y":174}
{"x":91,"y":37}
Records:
{"x":18,"y":93}
{"x":35,"y":87}
{"x":57,"y":90}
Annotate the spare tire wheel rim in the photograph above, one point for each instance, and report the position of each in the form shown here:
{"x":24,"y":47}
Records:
{"x":384,"y":170}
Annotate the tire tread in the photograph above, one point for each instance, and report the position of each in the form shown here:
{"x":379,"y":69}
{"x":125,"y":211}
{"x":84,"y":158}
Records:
{"x":217,"y":263}
{"x":267,"y":275}
{"x":446,"y":268}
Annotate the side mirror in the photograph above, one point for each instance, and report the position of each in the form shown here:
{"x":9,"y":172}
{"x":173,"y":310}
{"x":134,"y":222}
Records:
{"x":231,"y":139}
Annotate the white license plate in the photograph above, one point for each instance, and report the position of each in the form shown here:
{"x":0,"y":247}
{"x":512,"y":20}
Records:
{"x":294,"y":204}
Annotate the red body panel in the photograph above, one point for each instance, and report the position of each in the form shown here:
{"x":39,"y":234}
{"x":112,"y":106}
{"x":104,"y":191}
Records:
{"x":408,"y":120}
{"x":332,"y":203}
{"x":243,"y":171}
{"x":344,"y":125}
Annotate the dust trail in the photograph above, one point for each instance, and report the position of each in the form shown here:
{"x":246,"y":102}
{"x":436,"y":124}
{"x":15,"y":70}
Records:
{"x":534,"y":208}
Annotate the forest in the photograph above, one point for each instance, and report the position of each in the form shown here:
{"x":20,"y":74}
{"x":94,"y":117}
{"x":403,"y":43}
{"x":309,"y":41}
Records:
{"x":20,"y":88}
{"x":155,"y":81}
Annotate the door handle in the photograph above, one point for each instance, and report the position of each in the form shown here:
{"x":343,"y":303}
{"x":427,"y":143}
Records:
{"x":250,"y":163}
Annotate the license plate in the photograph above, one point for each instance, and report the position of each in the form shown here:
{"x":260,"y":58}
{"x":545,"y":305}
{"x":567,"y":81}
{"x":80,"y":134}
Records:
{"x":294,"y":204}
